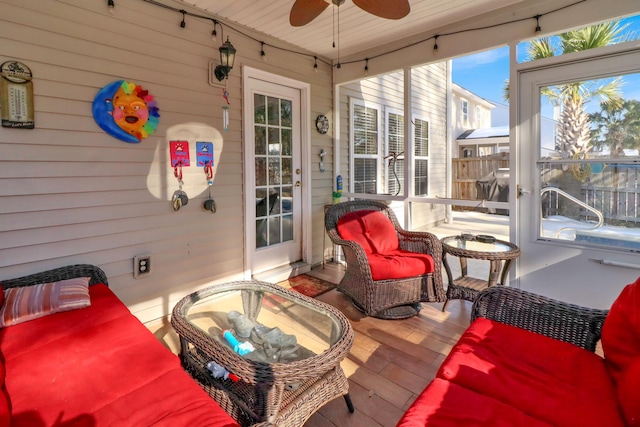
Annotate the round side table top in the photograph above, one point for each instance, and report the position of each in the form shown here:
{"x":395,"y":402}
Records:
{"x":481,"y":247}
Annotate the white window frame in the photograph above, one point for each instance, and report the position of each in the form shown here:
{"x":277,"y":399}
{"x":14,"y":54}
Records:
{"x":464,"y":109}
{"x":478,"y":116}
{"x":388,"y":175}
{"x":352,"y":156}
{"x":417,"y":157}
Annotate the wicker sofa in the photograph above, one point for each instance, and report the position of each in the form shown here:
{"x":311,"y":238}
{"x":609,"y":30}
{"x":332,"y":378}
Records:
{"x":92,"y":366}
{"x":527,"y":360}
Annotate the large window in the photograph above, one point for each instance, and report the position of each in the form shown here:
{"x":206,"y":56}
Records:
{"x":421,"y":157}
{"x":365,"y":147}
{"x":394,"y":152}
{"x":378,"y":152}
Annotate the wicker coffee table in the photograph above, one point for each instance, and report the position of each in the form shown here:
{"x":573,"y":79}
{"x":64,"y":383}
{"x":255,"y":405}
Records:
{"x":499,"y":254}
{"x":294,"y":365}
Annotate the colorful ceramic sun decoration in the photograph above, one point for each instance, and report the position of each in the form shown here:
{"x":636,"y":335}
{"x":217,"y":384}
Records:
{"x":126,"y":111}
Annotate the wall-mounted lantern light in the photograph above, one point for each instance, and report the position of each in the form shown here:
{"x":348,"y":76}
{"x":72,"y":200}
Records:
{"x":227,"y":58}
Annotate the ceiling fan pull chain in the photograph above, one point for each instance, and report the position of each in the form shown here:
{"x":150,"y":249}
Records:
{"x":333,"y":17}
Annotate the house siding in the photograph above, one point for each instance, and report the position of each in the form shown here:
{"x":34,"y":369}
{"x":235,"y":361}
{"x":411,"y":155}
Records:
{"x":70,"y":193}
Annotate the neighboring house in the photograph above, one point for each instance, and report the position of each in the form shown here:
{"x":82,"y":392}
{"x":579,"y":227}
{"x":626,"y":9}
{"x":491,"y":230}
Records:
{"x":468,"y":110}
{"x":483,"y":142}
{"x":478,"y":142}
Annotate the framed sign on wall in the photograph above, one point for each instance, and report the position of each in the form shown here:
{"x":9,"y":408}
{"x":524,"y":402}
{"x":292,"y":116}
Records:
{"x":16,"y":95}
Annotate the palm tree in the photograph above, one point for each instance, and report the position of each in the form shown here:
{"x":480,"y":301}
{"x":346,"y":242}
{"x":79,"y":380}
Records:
{"x":573,"y":136}
{"x":616,"y":126}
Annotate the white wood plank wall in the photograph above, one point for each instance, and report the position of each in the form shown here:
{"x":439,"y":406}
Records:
{"x":70,"y":193}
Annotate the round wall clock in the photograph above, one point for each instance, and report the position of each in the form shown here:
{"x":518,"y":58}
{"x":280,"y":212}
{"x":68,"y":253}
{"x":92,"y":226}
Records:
{"x":322,"y":123}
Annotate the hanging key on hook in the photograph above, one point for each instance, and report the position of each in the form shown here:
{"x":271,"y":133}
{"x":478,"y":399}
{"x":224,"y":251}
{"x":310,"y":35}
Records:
{"x":209,"y":204}
{"x":179,"y":151}
{"x":179,"y":198}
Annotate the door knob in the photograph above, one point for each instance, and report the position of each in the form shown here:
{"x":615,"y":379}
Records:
{"x":522,"y":192}
{"x":298,"y":184}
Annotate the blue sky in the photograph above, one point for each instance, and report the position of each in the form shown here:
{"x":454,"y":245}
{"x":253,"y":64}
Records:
{"x":484,"y":73}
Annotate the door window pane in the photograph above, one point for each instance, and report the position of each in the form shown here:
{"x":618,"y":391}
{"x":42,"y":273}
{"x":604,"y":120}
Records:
{"x":589,"y":162}
{"x":274,"y":230}
{"x":260,"y":140}
{"x":273,"y":111}
{"x":260,"y":107}
{"x":274,"y":171}
{"x":261,"y":171}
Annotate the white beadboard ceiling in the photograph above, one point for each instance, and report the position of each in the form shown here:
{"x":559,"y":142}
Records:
{"x":359,"y":30}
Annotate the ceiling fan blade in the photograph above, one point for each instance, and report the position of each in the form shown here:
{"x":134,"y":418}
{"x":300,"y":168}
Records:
{"x":390,"y":9}
{"x":305,"y":11}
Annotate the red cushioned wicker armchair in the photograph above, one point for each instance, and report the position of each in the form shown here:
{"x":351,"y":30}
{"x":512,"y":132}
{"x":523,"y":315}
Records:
{"x":389,"y":270}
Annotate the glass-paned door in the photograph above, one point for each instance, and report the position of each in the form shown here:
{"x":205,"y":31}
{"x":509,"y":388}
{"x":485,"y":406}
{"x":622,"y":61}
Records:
{"x":579,"y":185}
{"x":276,"y":182}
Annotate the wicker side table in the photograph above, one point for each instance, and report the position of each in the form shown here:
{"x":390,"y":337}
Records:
{"x":285,"y":392}
{"x":499,"y":253}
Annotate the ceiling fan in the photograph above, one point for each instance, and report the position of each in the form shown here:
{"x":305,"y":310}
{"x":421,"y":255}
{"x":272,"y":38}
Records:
{"x":305,"y":11}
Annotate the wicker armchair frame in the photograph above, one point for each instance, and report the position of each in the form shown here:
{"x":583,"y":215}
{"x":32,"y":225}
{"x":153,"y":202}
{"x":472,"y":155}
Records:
{"x":61,"y":273}
{"x":581,"y":326}
{"x":261,"y":396}
{"x":386,"y":299}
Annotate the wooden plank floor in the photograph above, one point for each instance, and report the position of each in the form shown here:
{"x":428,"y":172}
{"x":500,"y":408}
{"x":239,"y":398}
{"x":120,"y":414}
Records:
{"x":390,"y":363}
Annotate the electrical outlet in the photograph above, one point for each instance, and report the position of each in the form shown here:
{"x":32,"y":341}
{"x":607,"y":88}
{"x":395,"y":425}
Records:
{"x":141,"y":265}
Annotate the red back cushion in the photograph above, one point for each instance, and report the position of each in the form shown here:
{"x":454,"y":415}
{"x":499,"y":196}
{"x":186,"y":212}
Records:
{"x":371,"y":229}
{"x":621,"y":346}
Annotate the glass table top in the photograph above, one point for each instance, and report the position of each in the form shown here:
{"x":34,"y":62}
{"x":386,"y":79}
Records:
{"x":471,"y":243}
{"x":263,"y":322}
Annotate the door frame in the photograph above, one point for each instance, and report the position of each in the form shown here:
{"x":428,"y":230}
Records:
{"x":249,"y":73}
{"x":525,"y":221}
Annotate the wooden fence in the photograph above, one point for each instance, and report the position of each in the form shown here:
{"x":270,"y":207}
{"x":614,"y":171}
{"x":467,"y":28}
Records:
{"x":466,"y":171}
{"x":614,"y":191}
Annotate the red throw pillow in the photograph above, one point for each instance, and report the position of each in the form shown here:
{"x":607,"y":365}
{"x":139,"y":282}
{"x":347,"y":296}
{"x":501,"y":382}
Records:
{"x":371,"y":229}
{"x":621,"y":346}
{"x":620,"y":338}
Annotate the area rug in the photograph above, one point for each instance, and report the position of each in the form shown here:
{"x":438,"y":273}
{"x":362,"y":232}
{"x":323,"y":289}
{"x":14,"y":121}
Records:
{"x":308,"y":285}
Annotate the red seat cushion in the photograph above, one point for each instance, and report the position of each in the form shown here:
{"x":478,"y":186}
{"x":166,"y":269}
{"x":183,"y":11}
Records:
{"x":621,"y":346}
{"x":378,"y":237}
{"x":547,"y":379}
{"x":446,"y":404}
{"x":99,"y":366}
{"x":371,"y":229}
{"x":399,"y":264}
